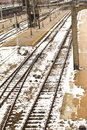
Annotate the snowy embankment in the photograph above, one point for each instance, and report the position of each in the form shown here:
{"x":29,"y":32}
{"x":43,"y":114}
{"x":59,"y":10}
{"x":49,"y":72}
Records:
{"x":66,"y":122}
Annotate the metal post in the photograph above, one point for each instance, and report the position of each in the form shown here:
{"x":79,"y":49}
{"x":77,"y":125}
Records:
{"x":1,"y":13}
{"x":57,"y":2}
{"x":28,"y":13}
{"x":39,"y":23}
{"x":16,"y":22}
{"x":13,"y":3}
{"x":23,"y":2}
{"x":48,"y":3}
{"x":38,"y":13}
{"x":74,"y":37}
{"x":34,"y":12}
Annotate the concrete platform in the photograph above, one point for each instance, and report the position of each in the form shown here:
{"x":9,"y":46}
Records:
{"x":26,"y":39}
{"x":8,"y":23}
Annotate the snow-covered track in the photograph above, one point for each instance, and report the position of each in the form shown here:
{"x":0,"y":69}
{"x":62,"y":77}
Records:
{"x":42,"y":106}
{"x":12,"y":87}
{"x":58,"y":26}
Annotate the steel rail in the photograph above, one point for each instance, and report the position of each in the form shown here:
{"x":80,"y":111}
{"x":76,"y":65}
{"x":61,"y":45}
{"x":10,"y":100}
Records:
{"x":31,"y":65}
{"x":3,"y":38}
{"x":19,"y":31}
{"x":19,"y":67}
{"x":11,"y":107}
{"x":1,"y":103}
{"x":27,"y":72}
{"x":57,"y":85}
{"x":24,"y":125}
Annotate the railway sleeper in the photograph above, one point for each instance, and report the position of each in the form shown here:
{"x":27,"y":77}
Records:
{"x":37,"y":115}
{"x":35,"y":118}
{"x":32,"y":129}
{"x":41,"y":97}
{"x":32,"y":126}
{"x":40,"y":111}
{"x":33,"y":121}
{"x":51,"y":91}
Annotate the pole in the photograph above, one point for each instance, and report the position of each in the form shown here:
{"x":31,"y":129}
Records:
{"x":57,"y":2}
{"x":39,"y":23}
{"x":13,"y":3}
{"x":1,"y":13}
{"x":75,"y":39}
{"x":48,"y":3}
{"x":28,"y":13}
{"x":38,"y":13}
{"x":34,"y":12}
{"x":16,"y":22}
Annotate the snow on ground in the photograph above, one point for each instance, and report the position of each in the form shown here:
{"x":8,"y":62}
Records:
{"x":10,"y":58}
{"x":16,"y":58}
{"x":70,"y":77}
{"x":5,"y":52}
{"x":64,"y":121}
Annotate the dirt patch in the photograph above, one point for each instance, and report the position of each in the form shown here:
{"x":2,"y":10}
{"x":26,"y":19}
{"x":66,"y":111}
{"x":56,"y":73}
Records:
{"x":10,"y":68}
{"x":81,"y":79}
{"x":14,"y":120}
{"x":68,"y":107}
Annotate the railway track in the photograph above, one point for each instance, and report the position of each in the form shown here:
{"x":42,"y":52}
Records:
{"x":12,"y":32}
{"x":43,"y":104}
{"x":59,"y":25}
{"x":23,"y":26}
{"x":11,"y":88}
{"x":7,"y":35}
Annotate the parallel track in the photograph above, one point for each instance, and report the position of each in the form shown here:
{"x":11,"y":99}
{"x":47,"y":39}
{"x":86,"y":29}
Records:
{"x":16,"y":80}
{"x":59,"y":26}
{"x":23,"y":26}
{"x":42,"y":106}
